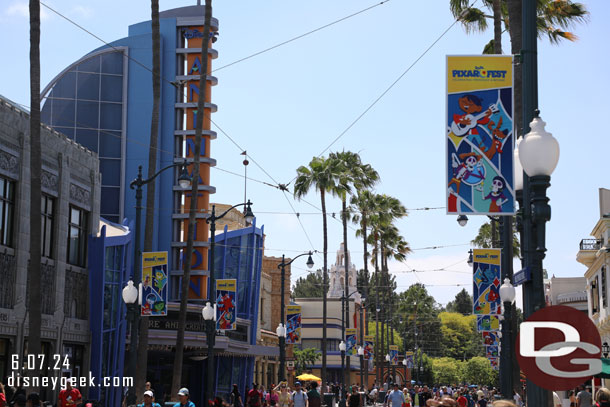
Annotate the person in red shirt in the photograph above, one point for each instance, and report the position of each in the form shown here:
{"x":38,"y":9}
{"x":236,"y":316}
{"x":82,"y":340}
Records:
{"x":69,"y":396}
{"x":462,"y":401}
{"x":253,"y":397}
{"x":2,"y":396}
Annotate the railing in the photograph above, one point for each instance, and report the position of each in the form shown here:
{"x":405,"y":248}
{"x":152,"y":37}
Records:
{"x":590,"y":244}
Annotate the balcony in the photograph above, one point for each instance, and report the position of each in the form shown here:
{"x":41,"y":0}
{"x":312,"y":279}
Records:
{"x":587,"y":251}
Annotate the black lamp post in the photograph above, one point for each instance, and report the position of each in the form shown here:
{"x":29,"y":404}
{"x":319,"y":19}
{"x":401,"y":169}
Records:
{"x":605,"y":349}
{"x":377,"y":345}
{"x":211,"y":323}
{"x":184,"y":180}
{"x":362,"y":379}
{"x":507,"y":295}
{"x":462,"y":220}
{"x":344,"y":371}
{"x":281,"y":329}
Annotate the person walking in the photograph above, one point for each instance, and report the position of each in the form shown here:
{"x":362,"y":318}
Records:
{"x":183,"y":396}
{"x":584,"y":398}
{"x":69,"y":396}
{"x":353,"y":399}
{"x":253,"y":398}
{"x":2,"y":396}
{"x":407,"y":402}
{"x":313,"y":396}
{"x":236,"y":400}
{"x":299,"y":397}
{"x":395,"y":398}
{"x":149,"y":399}
{"x":272,"y":398}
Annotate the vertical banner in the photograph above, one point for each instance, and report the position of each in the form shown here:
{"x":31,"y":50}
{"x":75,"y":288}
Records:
{"x":225,"y":304}
{"x":154,"y":284}
{"x":293,"y":324}
{"x":479,"y":135}
{"x":486,"y":282}
{"x":409,"y":359}
{"x":351,"y":348}
{"x":495,"y":363}
{"x":490,"y":338}
{"x":393,"y":355}
{"x":369,"y":346}
{"x":491,"y":352}
{"x":488,"y":323}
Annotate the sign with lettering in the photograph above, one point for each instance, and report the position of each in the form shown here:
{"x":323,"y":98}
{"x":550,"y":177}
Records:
{"x":486,"y":282}
{"x":225,"y":304}
{"x":479,"y":135}
{"x":393,"y":355}
{"x":154,"y":284}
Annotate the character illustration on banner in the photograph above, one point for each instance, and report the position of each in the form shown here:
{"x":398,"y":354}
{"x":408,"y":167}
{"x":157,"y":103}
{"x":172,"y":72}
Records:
{"x":467,"y":169}
{"x":292,"y":328}
{"x":466,"y":124}
{"x":490,"y":338}
{"x":368,"y":350}
{"x":149,"y":304}
{"x":227,"y":308}
{"x":351,"y":344}
{"x":499,"y":135}
{"x":496,"y":195}
{"x":160,"y":279}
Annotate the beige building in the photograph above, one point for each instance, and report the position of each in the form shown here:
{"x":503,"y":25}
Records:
{"x":568,"y":291}
{"x":594,"y":253}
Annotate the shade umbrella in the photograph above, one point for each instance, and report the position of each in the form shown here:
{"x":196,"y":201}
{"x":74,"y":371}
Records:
{"x":605,"y":373}
{"x":308,"y":377}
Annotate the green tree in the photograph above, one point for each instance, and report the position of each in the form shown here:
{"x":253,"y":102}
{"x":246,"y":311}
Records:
{"x":322,"y":175}
{"x":309,"y":286}
{"x":462,"y":303}
{"x":478,"y":371}
{"x":304,"y":358}
{"x":459,"y":339}
{"x":421,"y":324}
{"x":383,"y":326}
{"x":484,"y":238}
{"x":447,"y":371}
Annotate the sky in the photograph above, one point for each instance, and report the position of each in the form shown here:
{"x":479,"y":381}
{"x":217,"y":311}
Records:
{"x":287,"y":105}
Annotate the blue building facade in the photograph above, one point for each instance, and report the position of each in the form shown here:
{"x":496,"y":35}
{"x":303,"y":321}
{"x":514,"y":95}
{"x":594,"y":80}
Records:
{"x":110,"y":265}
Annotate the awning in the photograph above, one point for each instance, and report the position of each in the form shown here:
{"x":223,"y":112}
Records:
{"x":605,"y":373}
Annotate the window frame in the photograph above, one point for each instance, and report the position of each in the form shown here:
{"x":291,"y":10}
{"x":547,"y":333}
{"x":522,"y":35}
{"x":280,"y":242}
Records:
{"x":83,"y":229}
{"x":47,"y":217}
{"x":7,"y":200}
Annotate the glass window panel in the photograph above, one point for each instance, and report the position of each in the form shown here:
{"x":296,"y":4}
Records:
{"x":110,"y":144}
{"x":109,"y":260}
{"x":74,"y":216}
{"x":90,"y":65}
{"x":115,"y":305}
{"x":110,"y":200}
{"x":45,"y":113}
{"x":107,"y":304}
{"x":63,"y":113}
{"x":65,"y":87}
{"x":87,"y":138}
{"x":112,"y":62}
{"x":112,"y":88}
{"x":111,"y":171}
{"x":88,"y":86}
{"x":87,"y":114}
{"x":118,"y":257}
{"x":111,"y":115}
{"x":49,"y":206}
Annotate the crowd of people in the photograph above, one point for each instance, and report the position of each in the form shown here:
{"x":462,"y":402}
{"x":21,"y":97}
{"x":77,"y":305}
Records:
{"x":308,"y":395}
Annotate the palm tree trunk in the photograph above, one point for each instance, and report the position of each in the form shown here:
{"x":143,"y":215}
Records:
{"x":497,"y":27}
{"x":383,"y":310}
{"x":141,"y":372}
{"x":347,"y":293}
{"x":324,"y":287}
{"x":377,"y":306}
{"x":366,"y":273}
{"x":192,"y":224}
{"x":34,"y":288}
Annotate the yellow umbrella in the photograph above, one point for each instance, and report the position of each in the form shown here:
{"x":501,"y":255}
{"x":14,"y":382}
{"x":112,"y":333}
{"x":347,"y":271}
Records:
{"x":308,"y":377}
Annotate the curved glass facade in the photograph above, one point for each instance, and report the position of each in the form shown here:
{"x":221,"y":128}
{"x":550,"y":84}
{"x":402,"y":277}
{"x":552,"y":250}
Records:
{"x":86,"y":103}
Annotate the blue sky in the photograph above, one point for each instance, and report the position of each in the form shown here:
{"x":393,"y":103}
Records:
{"x":285,"y":106}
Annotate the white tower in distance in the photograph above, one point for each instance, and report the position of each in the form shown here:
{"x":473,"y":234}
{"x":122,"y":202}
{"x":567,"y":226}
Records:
{"x":337,"y":277}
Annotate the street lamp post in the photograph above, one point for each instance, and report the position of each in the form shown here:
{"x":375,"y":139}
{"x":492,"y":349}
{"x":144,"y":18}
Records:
{"x":282,"y":326}
{"x":404,"y":363}
{"x":507,"y":295}
{"x":362,"y":380}
{"x":462,"y":220}
{"x":344,"y":305}
{"x":211,"y":324}
{"x":184,"y":180}
{"x":361,"y":355}
{"x":130,"y":296}
{"x":377,"y":344}
{"x":342,"y":348}
{"x":387,"y":359}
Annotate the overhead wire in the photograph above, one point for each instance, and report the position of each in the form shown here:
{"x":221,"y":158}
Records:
{"x":300,"y":36}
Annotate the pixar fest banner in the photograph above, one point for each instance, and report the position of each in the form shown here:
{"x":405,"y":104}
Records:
{"x":225,"y":304}
{"x":350,"y":342}
{"x":393,"y":355}
{"x":369,"y":346}
{"x":293,"y":324}
{"x":486,"y":283}
{"x":479,"y":135}
{"x":154,"y":284}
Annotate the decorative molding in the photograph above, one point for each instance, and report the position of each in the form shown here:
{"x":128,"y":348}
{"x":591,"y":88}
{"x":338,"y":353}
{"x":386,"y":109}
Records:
{"x":80,"y":195}
{"x":49,"y":181}
{"x":9,"y":163}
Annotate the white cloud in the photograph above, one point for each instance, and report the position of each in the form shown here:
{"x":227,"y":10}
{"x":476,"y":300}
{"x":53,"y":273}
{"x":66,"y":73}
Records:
{"x":22,"y":9}
{"x":81,"y":11}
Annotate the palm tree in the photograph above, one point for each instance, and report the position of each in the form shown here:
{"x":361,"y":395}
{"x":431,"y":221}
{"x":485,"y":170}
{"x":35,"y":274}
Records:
{"x":140,"y":379}
{"x":323,"y":175}
{"x":554,"y":17}
{"x":359,"y":176}
{"x":192,"y":223}
{"x":34,"y":287}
